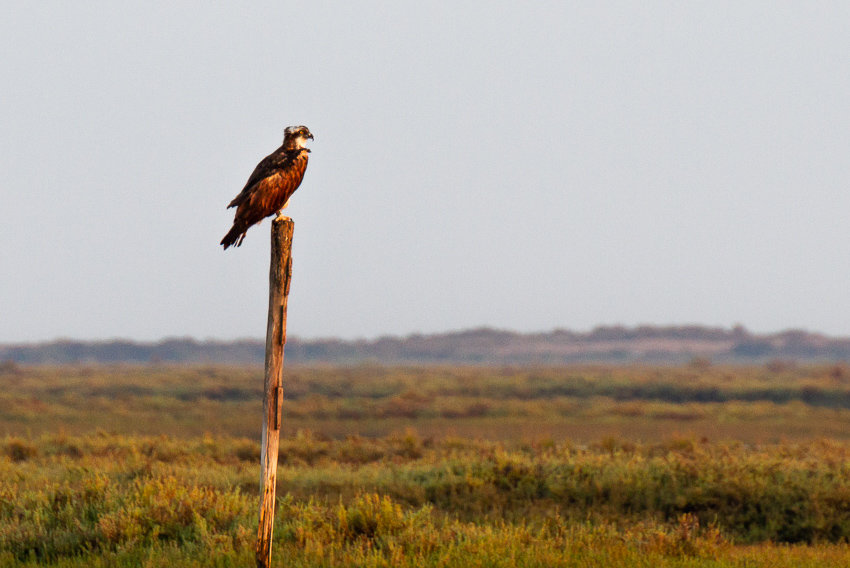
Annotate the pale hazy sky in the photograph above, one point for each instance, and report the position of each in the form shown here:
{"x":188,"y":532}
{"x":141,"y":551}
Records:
{"x":523,"y":165}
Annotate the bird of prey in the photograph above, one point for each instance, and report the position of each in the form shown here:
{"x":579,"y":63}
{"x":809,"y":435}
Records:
{"x":271,"y":185}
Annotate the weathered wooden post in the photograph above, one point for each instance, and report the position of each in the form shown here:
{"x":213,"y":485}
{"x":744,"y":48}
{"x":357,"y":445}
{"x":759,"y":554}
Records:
{"x":280,"y":274}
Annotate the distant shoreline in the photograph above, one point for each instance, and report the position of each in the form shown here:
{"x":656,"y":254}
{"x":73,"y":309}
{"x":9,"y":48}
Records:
{"x":481,"y":346}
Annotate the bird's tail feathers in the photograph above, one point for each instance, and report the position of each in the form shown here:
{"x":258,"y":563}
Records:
{"x":234,"y":236}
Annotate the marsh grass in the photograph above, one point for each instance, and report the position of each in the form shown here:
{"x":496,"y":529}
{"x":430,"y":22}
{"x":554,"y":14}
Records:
{"x":384,"y":467}
{"x":583,"y":404}
{"x":404,"y":501}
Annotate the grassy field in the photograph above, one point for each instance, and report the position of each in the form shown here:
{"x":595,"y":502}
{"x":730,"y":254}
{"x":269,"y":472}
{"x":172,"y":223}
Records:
{"x":432,"y":466}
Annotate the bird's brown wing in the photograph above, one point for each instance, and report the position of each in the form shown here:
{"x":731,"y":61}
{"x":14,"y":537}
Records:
{"x":266,"y":168}
{"x":269,"y":194}
{"x":272,"y":183}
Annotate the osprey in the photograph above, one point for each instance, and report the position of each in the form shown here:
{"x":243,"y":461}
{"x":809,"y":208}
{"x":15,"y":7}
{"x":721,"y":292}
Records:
{"x":271,"y":185}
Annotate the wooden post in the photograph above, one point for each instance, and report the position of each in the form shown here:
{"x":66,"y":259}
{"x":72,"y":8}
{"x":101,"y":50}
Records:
{"x":280,"y":274}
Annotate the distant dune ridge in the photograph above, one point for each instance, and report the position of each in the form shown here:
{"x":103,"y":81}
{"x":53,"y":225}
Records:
{"x":611,"y":344}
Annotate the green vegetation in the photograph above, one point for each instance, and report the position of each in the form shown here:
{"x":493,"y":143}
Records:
{"x":143,"y":466}
{"x":582,"y":404}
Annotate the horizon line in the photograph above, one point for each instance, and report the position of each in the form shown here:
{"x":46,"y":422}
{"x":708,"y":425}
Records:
{"x":481,"y":328}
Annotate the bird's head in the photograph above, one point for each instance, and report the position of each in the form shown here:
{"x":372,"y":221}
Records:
{"x":295,"y":137}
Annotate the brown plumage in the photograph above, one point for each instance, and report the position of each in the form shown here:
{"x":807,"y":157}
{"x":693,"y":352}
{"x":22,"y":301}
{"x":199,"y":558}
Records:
{"x":271,"y":185}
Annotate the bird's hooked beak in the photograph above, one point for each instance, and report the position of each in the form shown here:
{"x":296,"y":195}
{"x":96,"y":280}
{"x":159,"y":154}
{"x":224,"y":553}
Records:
{"x":309,"y":136}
